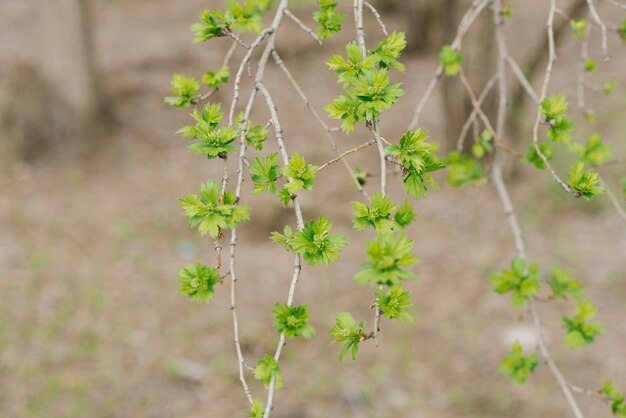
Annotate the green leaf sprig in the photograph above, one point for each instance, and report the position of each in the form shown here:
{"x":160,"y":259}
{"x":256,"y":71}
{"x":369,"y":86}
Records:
{"x":347,"y":331}
{"x":522,"y":280}
{"x":517,"y":366}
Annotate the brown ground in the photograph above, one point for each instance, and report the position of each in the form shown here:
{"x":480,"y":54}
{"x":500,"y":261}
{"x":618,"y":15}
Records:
{"x":91,"y":324}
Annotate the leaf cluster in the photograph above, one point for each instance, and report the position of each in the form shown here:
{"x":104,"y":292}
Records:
{"x":584,"y":181}
{"x":522,"y":280}
{"x":211,"y":141}
{"x":207,"y":213}
{"x":580,"y":330}
{"x":533,"y":157}
{"x":483,"y":144}
{"x":314,"y":242}
{"x":451,"y":60}
{"x":347,"y":331}
{"x":266,"y":369}
{"x":389,"y":256}
{"x":197,"y":281}
{"x":241,"y":17}
{"x":463,"y":170}
{"x":418,"y":159}
{"x":185,"y":90}
{"x":554,"y":109}
{"x":517,"y":366}
{"x":292,"y":320}
{"x":215,"y":79}
{"x":368,"y":91}
{"x":328,"y":18}
{"x":394,"y":304}
{"x":615,"y":397}
{"x":563,"y":284}
{"x":594,"y":151}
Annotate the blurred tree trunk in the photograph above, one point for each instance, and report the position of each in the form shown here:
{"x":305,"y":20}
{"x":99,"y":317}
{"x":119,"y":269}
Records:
{"x":67,"y":58}
{"x":54,"y":105}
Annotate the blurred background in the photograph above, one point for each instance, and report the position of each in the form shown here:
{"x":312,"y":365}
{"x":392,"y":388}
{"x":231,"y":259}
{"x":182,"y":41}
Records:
{"x":91,"y":234}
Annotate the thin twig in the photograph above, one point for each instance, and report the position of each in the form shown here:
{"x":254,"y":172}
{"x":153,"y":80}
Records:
{"x":614,"y":200}
{"x":528,"y":88}
{"x":508,"y":206}
{"x":468,"y":19}
{"x":377,"y":16}
{"x":346,"y":153}
{"x":472,"y":116}
{"x":304,"y":27}
{"x":599,"y":22}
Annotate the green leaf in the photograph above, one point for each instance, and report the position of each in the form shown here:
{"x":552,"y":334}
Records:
{"x":609,"y":87}
{"x":292,"y":320}
{"x":580,"y":331}
{"x":185,"y":90}
{"x":266,"y":369}
{"x":375,"y":93}
{"x":554,"y":109}
{"x":264,"y":173}
{"x":256,"y":137}
{"x":394,"y":305}
{"x":590,"y":65}
{"x":404,"y":215}
{"x":533,"y":157}
{"x":215,"y":80}
{"x":389,"y":256}
{"x":211,"y":141}
{"x":256,"y":409}
{"x":198,"y":281}
{"x":361,"y":176}
{"x":483,"y":145}
{"x":329,"y":20}
{"x":376,"y":215}
{"x":347,"y":331}
{"x":346,"y":108}
{"x":594,"y":151}
{"x":205,"y":211}
{"x":579,"y":27}
{"x":301,"y":174}
{"x":521,"y":280}
{"x":418,"y":158}
{"x":615,"y":397}
{"x":584,"y":181}
{"x":463,"y":170}
{"x":451,"y":60}
{"x":316,"y":244}
{"x":353,"y":67}
{"x":285,"y":196}
{"x":517,"y":366}
{"x":212,"y":24}
{"x":562,"y":284}
{"x":389,"y":49}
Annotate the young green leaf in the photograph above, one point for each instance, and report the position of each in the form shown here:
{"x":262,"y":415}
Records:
{"x":615,"y":398}
{"x":594,"y":151}
{"x":554,"y":109}
{"x":483,"y":144}
{"x":533,"y":157}
{"x":463,"y":170}
{"x":580,"y":331}
{"x":292,"y":320}
{"x":388,"y":51}
{"x":216,"y":79}
{"x":256,"y":137}
{"x":579,"y":27}
{"x":354,"y":67}
{"x":389,"y":256}
{"x":404,"y":215}
{"x":185,"y":90}
{"x":375,"y":93}
{"x":346,"y":108}
{"x":376,"y":215}
{"x":451,"y":60}
{"x":609,"y":87}
{"x":347,"y":331}
{"x":198,"y":281}
{"x":328,"y":18}
{"x":584,"y":181}
{"x":590,"y":65}
{"x":301,"y":173}
{"x":562,"y":284}
{"x":394,"y":305}
{"x":521,"y":280}
{"x":316,"y":244}
{"x":264,"y":173}
{"x":212,"y":141}
{"x":517,"y":366}
{"x":206,"y":212}
{"x":266,"y":369}
{"x":418,"y":158}
{"x":256,"y":409}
